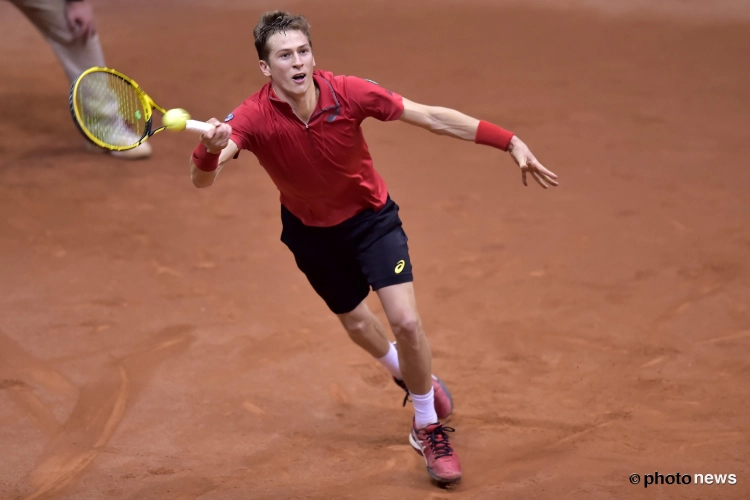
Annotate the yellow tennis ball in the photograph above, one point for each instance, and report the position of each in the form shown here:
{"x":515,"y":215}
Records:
{"x":175,"y":119}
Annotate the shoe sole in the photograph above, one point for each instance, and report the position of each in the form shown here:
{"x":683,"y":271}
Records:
{"x":440,"y":480}
{"x":447,"y":393}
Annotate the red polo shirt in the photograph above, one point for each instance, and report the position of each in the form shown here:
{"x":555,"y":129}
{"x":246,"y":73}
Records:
{"x":323,"y":170}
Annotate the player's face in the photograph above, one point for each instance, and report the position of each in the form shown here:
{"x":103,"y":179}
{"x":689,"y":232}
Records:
{"x":290,"y":62}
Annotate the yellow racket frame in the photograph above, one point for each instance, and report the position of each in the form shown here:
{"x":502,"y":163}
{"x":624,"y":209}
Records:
{"x":146,"y":101}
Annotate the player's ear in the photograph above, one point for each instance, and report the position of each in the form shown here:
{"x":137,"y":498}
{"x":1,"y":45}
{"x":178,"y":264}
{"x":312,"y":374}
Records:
{"x":264,"y":67}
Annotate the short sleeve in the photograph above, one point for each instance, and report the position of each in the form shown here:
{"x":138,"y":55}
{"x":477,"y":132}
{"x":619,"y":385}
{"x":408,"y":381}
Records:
{"x":241,"y":121}
{"x":368,"y":99}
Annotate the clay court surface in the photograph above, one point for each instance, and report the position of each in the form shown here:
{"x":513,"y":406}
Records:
{"x":158,"y":342}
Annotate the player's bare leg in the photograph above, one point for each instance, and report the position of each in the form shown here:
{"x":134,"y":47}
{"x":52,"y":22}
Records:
{"x":366,"y":330}
{"x":414,"y":354}
{"x":428,"y":437}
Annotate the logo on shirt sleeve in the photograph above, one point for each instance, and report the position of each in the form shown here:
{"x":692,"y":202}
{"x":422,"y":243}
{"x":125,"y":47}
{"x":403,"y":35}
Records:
{"x":229,"y":117}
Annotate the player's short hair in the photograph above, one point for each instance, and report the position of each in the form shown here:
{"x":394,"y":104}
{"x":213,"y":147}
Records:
{"x":274,"y":22}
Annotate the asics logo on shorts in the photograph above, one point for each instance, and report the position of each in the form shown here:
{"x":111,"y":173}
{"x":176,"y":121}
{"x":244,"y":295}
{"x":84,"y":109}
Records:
{"x":400,"y":266}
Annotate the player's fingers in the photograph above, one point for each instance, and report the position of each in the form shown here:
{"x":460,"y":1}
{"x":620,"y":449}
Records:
{"x":523,"y":177}
{"x":538,"y":179}
{"x":221,"y":133}
{"x":541,"y":168}
{"x":546,"y":174}
{"x":549,"y":179}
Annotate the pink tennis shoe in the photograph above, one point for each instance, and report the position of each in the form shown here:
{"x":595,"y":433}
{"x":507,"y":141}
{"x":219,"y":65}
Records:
{"x":432,"y":443}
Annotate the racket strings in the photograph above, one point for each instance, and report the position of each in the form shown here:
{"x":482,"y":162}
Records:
{"x":110,"y":109}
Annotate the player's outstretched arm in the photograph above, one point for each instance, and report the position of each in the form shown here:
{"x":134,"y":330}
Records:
{"x":446,"y":121}
{"x":214,"y":151}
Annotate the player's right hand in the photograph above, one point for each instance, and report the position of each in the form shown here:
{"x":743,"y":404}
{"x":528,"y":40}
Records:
{"x":217,"y":138}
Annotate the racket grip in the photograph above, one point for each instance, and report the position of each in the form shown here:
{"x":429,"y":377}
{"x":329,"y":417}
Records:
{"x":197,"y":126}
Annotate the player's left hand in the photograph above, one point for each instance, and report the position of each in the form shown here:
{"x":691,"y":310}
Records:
{"x":80,"y":17}
{"x":529,"y":164}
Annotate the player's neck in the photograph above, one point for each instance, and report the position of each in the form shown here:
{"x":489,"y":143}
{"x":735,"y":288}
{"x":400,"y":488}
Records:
{"x":302,"y":105}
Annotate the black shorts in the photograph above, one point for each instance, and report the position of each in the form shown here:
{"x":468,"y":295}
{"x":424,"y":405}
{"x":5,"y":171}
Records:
{"x":342,"y":262}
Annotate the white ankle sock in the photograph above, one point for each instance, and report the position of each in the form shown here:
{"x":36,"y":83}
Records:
{"x":424,"y":409}
{"x":390,"y":361}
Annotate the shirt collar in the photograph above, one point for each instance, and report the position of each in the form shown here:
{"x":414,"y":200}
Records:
{"x":327,"y":98}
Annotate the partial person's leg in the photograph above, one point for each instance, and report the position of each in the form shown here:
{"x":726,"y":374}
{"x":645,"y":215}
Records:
{"x":366,"y":330}
{"x":428,"y":436}
{"x":384,"y":258}
{"x":334,"y":273}
{"x":75,"y":56}
{"x":415,"y":356}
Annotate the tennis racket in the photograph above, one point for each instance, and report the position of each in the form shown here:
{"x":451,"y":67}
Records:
{"x":112,"y":111}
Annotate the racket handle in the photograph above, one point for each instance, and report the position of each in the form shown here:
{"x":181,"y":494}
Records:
{"x":196,"y":126}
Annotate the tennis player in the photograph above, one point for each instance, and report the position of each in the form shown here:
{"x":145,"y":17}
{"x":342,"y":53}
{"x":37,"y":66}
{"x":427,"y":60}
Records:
{"x":338,"y":219}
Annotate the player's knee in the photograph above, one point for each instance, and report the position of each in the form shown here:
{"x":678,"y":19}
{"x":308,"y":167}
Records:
{"x":407,"y":329}
{"x":355,"y":322}
{"x":355,"y":327}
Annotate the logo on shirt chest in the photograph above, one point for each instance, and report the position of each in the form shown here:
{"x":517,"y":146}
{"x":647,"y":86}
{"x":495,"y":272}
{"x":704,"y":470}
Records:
{"x":332,"y":114}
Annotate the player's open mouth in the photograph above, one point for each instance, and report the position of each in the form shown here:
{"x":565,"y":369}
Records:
{"x":299,"y":77}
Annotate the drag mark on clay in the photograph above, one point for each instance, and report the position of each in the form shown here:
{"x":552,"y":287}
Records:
{"x":735,"y":336}
{"x":253,"y":409}
{"x":653,"y":362}
{"x":20,"y":393}
{"x":99,"y":409}
{"x":61,"y":466}
{"x":718,"y":439}
{"x":706,"y":280}
{"x":484,"y":422}
{"x":574,"y":436}
{"x":18,"y":364}
{"x":683,"y":305}
{"x":162,"y":269}
{"x":603,"y":421}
